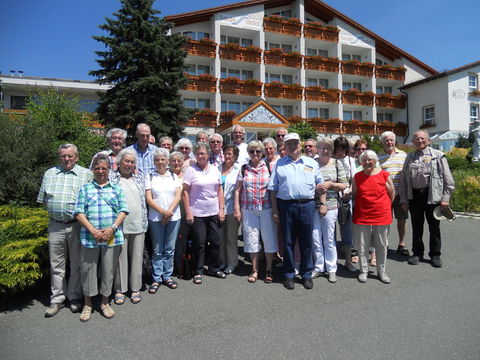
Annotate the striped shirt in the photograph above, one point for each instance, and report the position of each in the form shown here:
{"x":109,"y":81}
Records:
{"x":216,"y":160}
{"x":255,"y":182}
{"x":101,"y":205}
{"x":59,"y":190}
{"x":335,"y":172}
{"x":393,"y":165}
{"x":145,"y":159}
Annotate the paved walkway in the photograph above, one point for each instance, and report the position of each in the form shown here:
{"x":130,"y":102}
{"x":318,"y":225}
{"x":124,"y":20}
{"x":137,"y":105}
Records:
{"x":425,"y":313}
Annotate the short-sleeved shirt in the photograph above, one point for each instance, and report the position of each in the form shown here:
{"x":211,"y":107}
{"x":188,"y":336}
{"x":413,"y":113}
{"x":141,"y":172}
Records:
{"x":393,"y":164}
{"x":101,"y":205}
{"x":59,"y":190}
{"x":163,"y":189}
{"x":295,"y":180}
{"x":203,"y":189}
{"x":255,"y":181}
{"x":335,"y":172}
{"x":145,"y":159}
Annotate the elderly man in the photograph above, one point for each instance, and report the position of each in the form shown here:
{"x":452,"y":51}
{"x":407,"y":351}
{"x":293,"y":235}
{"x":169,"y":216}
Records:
{"x":166,"y":142}
{"x":144,"y":149}
{"x":280,"y":134}
{"x":292,"y":190}
{"x":426,"y":182}
{"x":216,"y":152}
{"x":58,"y":192}
{"x":202,"y":136}
{"x":310,"y":148}
{"x":391,"y":160}
{"x":238,"y":137}
{"x":116,"y":142}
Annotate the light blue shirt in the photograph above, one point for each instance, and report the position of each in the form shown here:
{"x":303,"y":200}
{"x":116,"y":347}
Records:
{"x":295,"y":180}
{"x":145,"y":159}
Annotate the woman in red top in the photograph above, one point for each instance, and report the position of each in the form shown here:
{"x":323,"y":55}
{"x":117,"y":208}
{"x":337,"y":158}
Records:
{"x":372,"y":214}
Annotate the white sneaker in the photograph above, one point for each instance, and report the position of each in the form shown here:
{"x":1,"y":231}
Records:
{"x":332,"y":277}
{"x":362,"y":277}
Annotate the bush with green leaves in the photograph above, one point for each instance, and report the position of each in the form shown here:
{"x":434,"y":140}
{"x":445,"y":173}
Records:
{"x":466,"y":197}
{"x":303,"y":129}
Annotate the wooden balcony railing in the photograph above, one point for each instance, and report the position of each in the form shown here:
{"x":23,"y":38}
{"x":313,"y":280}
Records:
{"x":205,"y":83}
{"x":326,"y":126}
{"x":279,"y":58}
{"x":282,"y":91}
{"x":322,"y":64}
{"x":203,"y":118}
{"x":357,"y":127}
{"x":320,"y":32}
{"x":227,"y":116}
{"x":390,"y":101}
{"x":316,"y":93}
{"x":357,"y":68}
{"x":390,"y":72}
{"x":204,"y":47}
{"x":238,"y":53}
{"x":357,"y":98}
{"x":236,"y":86}
{"x":284,"y":26}
{"x":399,"y":129}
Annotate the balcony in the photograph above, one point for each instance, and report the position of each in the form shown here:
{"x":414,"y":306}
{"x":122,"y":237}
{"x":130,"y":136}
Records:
{"x":233,"y":85}
{"x":227,"y":116}
{"x":322,"y":64}
{"x":318,"y":31}
{"x":356,"y":127}
{"x":390,"y":72}
{"x":284,"y":26}
{"x":357,"y":68}
{"x":326,"y":126}
{"x":317,"y":93}
{"x":399,"y":129}
{"x":278,"y":90}
{"x":205,"y":83}
{"x":204,"y":47}
{"x":390,"y":101}
{"x":235,"y":52}
{"x":203,"y":118}
{"x":278,"y":58}
{"x":355,"y":97}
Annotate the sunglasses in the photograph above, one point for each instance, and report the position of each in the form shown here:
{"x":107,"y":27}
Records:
{"x":280,"y":135}
{"x":255,"y":151}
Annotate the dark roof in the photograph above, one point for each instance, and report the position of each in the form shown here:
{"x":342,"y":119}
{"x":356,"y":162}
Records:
{"x":314,"y":7}
{"x":442,"y":74}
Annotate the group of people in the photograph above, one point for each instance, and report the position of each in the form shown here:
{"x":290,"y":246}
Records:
{"x":176,"y":199}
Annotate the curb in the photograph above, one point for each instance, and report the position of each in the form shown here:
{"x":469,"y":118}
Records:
{"x":468,"y":215}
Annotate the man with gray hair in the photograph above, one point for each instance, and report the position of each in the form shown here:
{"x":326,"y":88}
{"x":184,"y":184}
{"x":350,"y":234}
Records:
{"x":59,"y":192}
{"x":144,"y":149}
{"x":166,"y":142}
{"x":116,"y":142}
{"x":238,"y":137}
{"x":392,"y":160}
{"x":216,"y":152}
{"x":280,"y":134}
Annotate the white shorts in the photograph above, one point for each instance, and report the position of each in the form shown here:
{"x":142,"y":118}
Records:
{"x":256,"y":222}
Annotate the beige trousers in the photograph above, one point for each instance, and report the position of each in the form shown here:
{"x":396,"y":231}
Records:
{"x":130,"y":264}
{"x":379,"y":237}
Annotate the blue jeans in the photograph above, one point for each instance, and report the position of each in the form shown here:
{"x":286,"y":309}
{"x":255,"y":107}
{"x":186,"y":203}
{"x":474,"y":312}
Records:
{"x":163,"y":241}
{"x":297,"y":223}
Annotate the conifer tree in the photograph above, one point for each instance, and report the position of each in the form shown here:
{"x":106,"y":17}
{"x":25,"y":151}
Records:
{"x":145,"y":64}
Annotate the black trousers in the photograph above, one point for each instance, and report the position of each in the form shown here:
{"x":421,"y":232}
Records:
{"x":206,"y":230}
{"x":419,"y":211}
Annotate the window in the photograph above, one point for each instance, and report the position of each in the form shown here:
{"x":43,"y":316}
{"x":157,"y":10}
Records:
{"x":203,"y":103}
{"x":189,"y":103}
{"x":283,"y":13}
{"x":202,"y":35}
{"x":18,"y":102}
{"x":312,"y":52}
{"x":380,"y":62}
{"x":247,"y":74}
{"x":349,"y":85}
{"x":429,"y":114}
{"x":285,"y":110}
{"x":384,"y":90}
{"x":197,"y":103}
{"x":246,"y":42}
{"x":352,"y":115}
{"x":286,"y":48}
{"x":317,"y":82}
{"x":312,"y":113}
{"x":384,"y":117}
{"x":318,"y":113}
{"x":203,"y":69}
{"x":89,"y":106}
{"x":473,"y":112}
{"x":196,"y":35}
{"x":324,"y":114}
{"x":472,"y":82}
{"x":349,"y":57}
{"x":234,"y":73}
{"x":233,"y":39}
{"x":315,"y":52}
{"x":287,"y":79}
{"x":246,"y":105}
{"x":234,"y":106}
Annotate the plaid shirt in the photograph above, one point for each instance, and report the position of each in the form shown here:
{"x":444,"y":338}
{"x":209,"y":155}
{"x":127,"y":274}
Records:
{"x":101,"y":206}
{"x":112,"y":157}
{"x":255,"y":182}
{"x":59,"y":190}
{"x":216,"y":160}
{"x":145,"y":159}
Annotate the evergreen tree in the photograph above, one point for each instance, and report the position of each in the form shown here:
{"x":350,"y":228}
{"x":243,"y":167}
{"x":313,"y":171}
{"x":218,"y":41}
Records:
{"x":145,"y":64}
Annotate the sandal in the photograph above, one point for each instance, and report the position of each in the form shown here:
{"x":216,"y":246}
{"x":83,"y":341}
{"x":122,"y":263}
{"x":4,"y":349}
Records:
{"x":136,"y":297}
{"x":107,"y":311}
{"x":197,"y":279}
{"x":252,"y":277}
{"x":373,"y":261}
{"x":86,"y":313}
{"x":171,"y":283}
{"x":153,"y":288}
{"x":119,"y":299}
{"x":402,"y":250}
{"x":354,"y":259}
{"x":268,"y":277}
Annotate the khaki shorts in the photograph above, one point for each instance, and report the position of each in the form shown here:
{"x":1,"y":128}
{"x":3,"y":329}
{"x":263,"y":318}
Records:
{"x":398,"y":211}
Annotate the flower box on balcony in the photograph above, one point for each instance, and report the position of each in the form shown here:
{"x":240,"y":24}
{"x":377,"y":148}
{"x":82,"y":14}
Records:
{"x":318,"y":31}
{"x":280,"y":25}
{"x":322,"y":64}
{"x":205,"y":82}
{"x":283,"y":91}
{"x":227,"y":116}
{"x":357,"y":68}
{"x":279,"y":58}
{"x":294,"y":119}
{"x":326,"y":126}
{"x":233,"y":51}
{"x":357,"y":127}
{"x":204,"y":47}
{"x":250,"y":87}
{"x":355,"y":97}
{"x":204,"y":118}
{"x":390,"y":101}
{"x":390,"y":72}
{"x":317,"y":93}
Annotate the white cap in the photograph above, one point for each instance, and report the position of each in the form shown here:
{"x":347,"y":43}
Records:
{"x":291,"y":136}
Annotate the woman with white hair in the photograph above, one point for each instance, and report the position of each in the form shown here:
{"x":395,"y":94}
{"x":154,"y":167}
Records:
{"x":271,"y":155}
{"x":373,"y":192}
{"x":163,"y":193}
{"x":129,"y":270}
{"x":184,"y":146}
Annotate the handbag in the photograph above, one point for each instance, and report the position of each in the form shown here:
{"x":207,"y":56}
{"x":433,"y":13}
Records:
{"x":344,"y":209}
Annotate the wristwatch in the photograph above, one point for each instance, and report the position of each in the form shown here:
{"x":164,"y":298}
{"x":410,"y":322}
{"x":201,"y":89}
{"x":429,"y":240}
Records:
{"x":114,"y":227}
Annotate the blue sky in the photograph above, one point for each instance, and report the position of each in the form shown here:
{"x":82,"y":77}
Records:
{"x":53,"y":38}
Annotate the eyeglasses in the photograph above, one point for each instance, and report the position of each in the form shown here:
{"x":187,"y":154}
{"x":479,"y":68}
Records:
{"x":280,"y":135}
{"x":360,"y":149}
{"x":255,"y":151}
{"x":216,"y":141}
{"x":183,"y":148}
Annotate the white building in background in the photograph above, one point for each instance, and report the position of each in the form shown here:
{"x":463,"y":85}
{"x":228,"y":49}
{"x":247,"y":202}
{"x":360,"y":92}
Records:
{"x":445,"y":104}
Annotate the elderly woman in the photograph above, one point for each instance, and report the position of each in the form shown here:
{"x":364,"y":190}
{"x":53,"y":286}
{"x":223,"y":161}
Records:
{"x":163,"y":193}
{"x":229,"y":173}
{"x":204,"y":208}
{"x":271,"y":155}
{"x":116,"y":142}
{"x":335,"y":180}
{"x":426,"y":183}
{"x":184,"y":146}
{"x":100,"y":209}
{"x":129,"y":268}
{"x":252,"y":197}
{"x":373,"y":192}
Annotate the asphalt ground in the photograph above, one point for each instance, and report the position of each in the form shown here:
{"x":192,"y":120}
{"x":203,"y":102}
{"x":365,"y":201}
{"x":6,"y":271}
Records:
{"x":425,"y":313}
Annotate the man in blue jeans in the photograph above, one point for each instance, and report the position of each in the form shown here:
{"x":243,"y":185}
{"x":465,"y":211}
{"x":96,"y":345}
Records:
{"x":293,"y":184}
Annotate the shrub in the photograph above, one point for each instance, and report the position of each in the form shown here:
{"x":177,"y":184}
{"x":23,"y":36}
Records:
{"x":466,"y":196}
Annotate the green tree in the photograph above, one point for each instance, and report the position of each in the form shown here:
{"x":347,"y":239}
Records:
{"x":303,"y":129}
{"x":146,"y":66}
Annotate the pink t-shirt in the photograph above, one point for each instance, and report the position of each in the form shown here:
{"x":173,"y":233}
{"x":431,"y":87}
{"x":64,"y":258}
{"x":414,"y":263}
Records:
{"x":203,"y":189}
